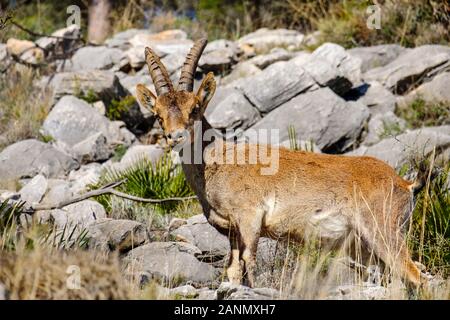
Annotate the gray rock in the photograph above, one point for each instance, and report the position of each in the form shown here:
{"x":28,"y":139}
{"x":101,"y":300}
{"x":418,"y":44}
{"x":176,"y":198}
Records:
{"x":200,"y":233}
{"x":173,"y":62}
{"x":3,"y":56}
{"x":411,"y":68}
{"x":93,"y":148}
{"x":136,"y":153}
{"x":206,"y":294}
{"x":231,"y":110}
{"x":27,"y":158}
{"x":276,"y":84}
{"x":376,"y":56}
{"x":79,"y":215}
{"x":358,"y":292}
{"x":399,"y":150}
{"x":348,"y":66}
{"x":378,"y":99}
{"x":185,"y":292}
{"x":72,"y":120}
{"x":170,"y":262}
{"x":103,"y":83}
{"x":121,"y":40}
{"x":437,"y":90}
{"x":3,"y":292}
{"x":228,"y":291}
{"x":84,"y":176}
{"x":34,"y":190}
{"x":241,"y":70}
{"x":219,"y":55}
{"x":161,"y":45}
{"x":275,"y":55}
{"x":121,"y":235}
{"x":265,"y":39}
{"x":95,"y":58}
{"x":58,"y":190}
{"x":54,"y":44}
{"x":383,"y":125}
{"x":321,"y":116}
{"x":324,"y":73}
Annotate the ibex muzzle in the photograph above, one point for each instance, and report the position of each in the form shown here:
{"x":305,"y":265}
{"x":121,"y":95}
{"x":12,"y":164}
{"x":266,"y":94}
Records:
{"x":328,"y":195}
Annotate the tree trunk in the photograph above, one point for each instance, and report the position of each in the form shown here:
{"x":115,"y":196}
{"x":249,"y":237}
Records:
{"x":99,"y":26}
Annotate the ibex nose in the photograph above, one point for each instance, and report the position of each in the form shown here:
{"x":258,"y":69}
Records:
{"x":176,"y":136}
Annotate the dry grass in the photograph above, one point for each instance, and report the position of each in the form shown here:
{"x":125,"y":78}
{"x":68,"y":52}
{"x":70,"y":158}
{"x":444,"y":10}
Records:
{"x":23,"y":107}
{"x":43,"y":273}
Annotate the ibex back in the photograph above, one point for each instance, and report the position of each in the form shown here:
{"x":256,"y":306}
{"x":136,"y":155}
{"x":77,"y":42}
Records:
{"x":311,"y":194}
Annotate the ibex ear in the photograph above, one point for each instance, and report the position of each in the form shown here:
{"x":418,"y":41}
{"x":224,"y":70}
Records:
{"x":145,"y":97}
{"x":206,"y":90}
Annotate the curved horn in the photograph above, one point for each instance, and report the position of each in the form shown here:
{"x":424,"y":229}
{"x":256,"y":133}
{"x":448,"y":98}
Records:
{"x":186,"y":81}
{"x":158,"y":72}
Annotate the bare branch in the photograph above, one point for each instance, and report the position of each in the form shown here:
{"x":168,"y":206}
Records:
{"x":107,"y":189}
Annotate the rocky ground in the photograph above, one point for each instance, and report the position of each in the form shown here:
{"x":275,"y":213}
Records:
{"x":343,"y":101}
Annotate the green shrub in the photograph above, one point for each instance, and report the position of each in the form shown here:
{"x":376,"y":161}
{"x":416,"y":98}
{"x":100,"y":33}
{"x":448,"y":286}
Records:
{"x":118,"y":107}
{"x":145,"y":179}
{"x":430,"y":234}
{"x":421,"y":113}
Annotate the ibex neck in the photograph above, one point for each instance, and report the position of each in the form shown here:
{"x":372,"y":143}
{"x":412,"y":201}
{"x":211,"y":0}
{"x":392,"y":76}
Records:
{"x":193,"y":163}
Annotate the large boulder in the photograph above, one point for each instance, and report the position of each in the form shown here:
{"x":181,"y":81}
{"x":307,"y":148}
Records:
{"x":275,"y":55}
{"x":121,"y":40}
{"x":376,"y":56}
{"x":347,"y":65}
{"x":276,"y":84}
{"x":103,"y":83}
{"x":383,"y":125}
{"x":412,"y":68}
{"x":228,"y":291}
{"x":34,"y":190}
{"x":219,"y":56}
{"x":230,"y":109}
{"x":324,"y":73}
{"x":198,"y":232}
{"x":240,"y":71}
{"x":27,"y":158}
{"x":95,"y":58}
{"x":434,"y":91}
{"x":77,"y":216}
{"x":397,"y":151}
{"x":262,"y":40}
{"x":321,"y":116}
{"x":170,"y":262}
{"x":163,"y":43}
{"x":378,"y":98}
{"x":73,"y":121}
{"x":136,"y":153}
{"x":121,"y":235}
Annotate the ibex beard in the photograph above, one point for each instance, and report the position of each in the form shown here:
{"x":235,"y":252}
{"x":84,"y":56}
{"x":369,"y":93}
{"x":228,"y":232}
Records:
{"x":329,"y":194}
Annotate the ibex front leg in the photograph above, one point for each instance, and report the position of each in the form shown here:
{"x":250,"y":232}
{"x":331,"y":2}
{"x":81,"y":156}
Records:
{"x":249,"y":232}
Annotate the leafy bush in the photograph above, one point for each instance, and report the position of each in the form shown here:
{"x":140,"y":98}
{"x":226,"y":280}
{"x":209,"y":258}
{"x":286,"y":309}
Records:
{"x":145,"y":179}
{"x":430,"y":233}
{"x":118,"y":107}
{"x":421,"y":113}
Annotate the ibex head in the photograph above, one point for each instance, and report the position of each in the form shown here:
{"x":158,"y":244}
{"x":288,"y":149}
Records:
{"x":177,"y":109}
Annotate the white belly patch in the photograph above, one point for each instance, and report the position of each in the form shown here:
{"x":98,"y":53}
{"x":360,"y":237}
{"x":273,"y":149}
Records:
{"x":329,"y":224}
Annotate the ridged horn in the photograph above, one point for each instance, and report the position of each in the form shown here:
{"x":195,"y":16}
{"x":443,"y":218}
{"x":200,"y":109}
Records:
{"x":186,"y":81}
{"x":158,"y":72}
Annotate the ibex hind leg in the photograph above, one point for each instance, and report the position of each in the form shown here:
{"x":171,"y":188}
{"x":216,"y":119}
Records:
{"x":391,"y":247}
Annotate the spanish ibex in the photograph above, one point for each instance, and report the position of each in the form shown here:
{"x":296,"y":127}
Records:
{"x":330,"y":195}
